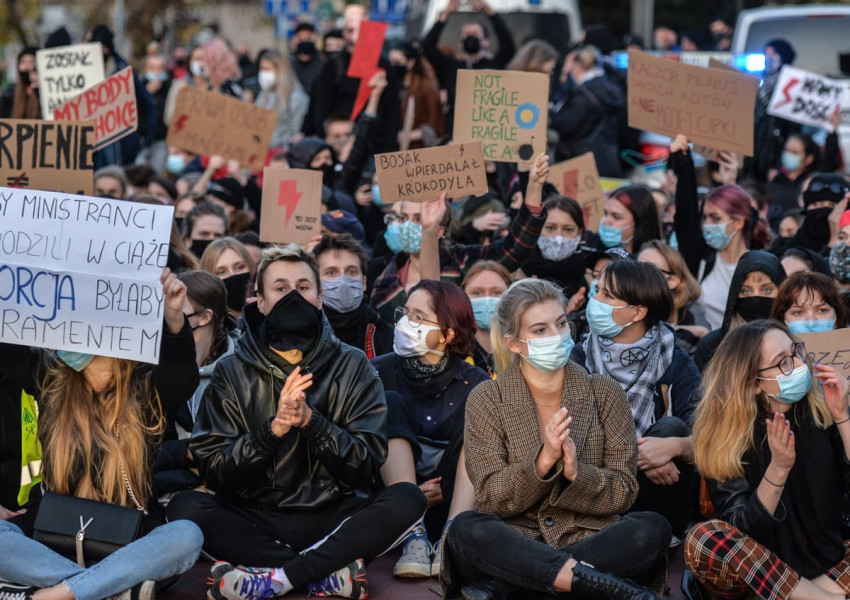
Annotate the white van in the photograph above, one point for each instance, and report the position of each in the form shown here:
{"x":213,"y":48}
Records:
{"x":556,"y":21}
{"x":819,"y":35}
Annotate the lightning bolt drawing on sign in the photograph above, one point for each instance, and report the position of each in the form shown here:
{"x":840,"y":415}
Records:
{"x":786,"y":91}
{"x":181,"y":122}
{"x":288,"y":196}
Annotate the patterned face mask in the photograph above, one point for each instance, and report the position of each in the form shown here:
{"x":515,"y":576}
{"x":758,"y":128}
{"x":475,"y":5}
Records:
{"x":558,"y":247}
{"x":839,"y":262}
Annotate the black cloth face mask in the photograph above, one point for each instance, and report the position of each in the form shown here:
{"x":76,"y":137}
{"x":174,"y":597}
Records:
{"x":293,"y":324}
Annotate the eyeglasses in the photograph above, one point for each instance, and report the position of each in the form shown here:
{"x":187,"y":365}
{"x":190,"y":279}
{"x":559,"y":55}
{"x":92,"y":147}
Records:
{"x":787,"y":364}
{"x":391,"y":218}
{"x":835,"y":187}
{"x":415,"y":320}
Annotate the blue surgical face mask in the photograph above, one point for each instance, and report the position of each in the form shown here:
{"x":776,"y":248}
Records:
{"x":393,"y":237}
{"x":483,"y":308}
{"x":794,"y":386}
{"x":76,"y":360}
{"x":815,"y":326}
{"x":594,"y":283}
{"x":342,"y":294}
{"x":715,"y":235}
{"x":175,"y":163}
{"x":600,"y":318}
{"x":790,"y":162}
{"x":611,"y":236}
{"x":376,"y":195}
{"x":549,"y":353}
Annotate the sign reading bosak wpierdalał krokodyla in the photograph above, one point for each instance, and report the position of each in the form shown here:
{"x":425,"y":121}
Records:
{"x":82,"y":274}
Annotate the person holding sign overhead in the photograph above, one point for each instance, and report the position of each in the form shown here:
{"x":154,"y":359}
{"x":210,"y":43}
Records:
{"x":414,"y":231}
{"x":99,"y":422}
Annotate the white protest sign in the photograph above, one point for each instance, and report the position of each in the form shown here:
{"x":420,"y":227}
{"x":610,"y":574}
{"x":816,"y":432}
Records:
{"x":806,"y":98}
{"x":65,"y":72}
{"x":82,"y":274}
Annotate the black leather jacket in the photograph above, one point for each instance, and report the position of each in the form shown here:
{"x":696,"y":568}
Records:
{"x":339,"y":451}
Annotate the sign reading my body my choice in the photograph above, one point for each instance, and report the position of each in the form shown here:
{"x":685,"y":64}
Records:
{"x":82,"y":274}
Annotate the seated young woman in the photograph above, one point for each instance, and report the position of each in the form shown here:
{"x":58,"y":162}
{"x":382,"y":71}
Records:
{"x":552,"y":455}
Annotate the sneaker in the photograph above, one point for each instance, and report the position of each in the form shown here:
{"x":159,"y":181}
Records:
{"x":415,"y":558}
{"x":226,"y":582}
{"x":13,"y":591}
{"x":142,"y":591}
{"x":348,"y":582}
{"x":437,"y":559}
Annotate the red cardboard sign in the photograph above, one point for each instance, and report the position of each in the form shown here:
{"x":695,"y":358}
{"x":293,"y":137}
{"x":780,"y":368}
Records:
{"x":364,"y":60}
{"x":110,"y":105}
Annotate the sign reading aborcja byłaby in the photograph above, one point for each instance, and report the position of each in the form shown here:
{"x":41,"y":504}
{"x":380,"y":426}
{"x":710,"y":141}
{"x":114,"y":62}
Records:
{"x":82,"y":274}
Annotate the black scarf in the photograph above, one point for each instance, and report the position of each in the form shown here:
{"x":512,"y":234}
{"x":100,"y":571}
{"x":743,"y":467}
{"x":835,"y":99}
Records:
{"x":350,"y":327}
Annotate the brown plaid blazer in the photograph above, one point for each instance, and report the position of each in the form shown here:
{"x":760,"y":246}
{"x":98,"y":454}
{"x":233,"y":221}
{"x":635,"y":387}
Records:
{"x":503,"y":440}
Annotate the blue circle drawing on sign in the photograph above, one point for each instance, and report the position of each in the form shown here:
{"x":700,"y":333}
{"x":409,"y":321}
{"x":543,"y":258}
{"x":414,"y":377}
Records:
{"x":527,"y":115}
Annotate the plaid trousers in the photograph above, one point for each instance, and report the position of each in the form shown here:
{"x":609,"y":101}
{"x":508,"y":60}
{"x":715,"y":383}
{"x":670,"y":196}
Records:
{"x":731,"y":564}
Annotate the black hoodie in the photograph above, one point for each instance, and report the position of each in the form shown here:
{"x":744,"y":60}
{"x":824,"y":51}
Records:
{"x":339,"y":451}
{"x":754,"y":260}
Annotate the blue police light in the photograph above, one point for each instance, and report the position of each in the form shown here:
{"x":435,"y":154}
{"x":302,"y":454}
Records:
{"x":621,"y":59}
{"x":750,"y":63}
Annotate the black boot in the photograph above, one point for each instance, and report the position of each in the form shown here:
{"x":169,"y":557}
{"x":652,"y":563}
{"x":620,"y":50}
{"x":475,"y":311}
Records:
{"x":590,"y":583}
{"x":490,"y":589}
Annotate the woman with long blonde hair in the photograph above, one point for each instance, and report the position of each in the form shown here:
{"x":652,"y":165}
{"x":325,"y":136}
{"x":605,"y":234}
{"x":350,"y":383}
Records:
{"x":281,"y":91}
{"x":100,"y":419}
{"x":773,"y":449}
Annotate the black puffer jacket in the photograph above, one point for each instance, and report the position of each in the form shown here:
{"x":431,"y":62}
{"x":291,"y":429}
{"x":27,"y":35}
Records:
{"x":340,"y":450}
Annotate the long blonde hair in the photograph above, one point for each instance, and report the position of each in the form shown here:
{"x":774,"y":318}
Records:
{"x":723,"y":425}
{"x":88,"y":438}
{"x":518,"y":298}
{"x":285,"y":76}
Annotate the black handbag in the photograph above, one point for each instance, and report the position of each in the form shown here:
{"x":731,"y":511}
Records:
{"x":85,"y":530}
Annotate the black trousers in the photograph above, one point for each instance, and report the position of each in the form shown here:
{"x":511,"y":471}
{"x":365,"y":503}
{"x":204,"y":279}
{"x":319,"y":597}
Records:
{"x":482,"y":546}
{"x":308,"y":544}
{"x":676,"y":501}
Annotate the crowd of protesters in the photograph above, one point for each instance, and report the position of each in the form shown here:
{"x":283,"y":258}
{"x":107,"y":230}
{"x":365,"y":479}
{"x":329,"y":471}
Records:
{"x":517,"y":401}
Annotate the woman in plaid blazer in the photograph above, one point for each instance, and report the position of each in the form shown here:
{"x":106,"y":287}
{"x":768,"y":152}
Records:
{"x":552,"y":454}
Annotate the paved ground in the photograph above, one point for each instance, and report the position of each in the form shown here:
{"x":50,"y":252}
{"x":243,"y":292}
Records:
{"x":382,"y":585}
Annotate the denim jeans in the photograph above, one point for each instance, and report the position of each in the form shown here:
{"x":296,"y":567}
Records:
{"x":166,"y":551}
{"x":482,"y":546}
{"x":673,"y":501}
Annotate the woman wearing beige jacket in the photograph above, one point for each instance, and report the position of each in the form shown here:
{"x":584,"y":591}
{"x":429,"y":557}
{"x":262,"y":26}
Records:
{"x":552,"y":455}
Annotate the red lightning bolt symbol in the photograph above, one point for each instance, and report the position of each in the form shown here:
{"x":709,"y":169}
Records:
{"x":288,"y":196}
{"x":181,"y":122}
{"x":570,"y":183}
{"x":786,"y":91}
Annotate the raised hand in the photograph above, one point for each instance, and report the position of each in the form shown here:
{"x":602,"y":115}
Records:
{"x":780,"y":440}
{"x":432,"y":213}
{"x":834,"y":391}
{"x":680,"y":142}
{"x":174,"y":292}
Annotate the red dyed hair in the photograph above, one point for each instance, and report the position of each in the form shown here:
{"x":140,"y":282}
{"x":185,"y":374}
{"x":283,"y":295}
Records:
{"x":454,"y":311}
{"x":735,"y":201}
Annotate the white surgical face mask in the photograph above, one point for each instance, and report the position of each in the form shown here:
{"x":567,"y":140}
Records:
{"x":411,"y":341}
{"x":266,"y":79}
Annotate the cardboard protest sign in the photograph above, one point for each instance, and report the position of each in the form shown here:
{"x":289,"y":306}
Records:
{"x":807,"y":98}
{"x":504,"y":110}
{"x":829,"y":348}
{"x":66,"y":71}
{"x":712,"y":107}
{"x":82,"y":274}
{"x":421,"y":175}
{"x":209,"y":123}
{"x":578,"y":178}
{"x":110,"y":105}
{"x":43,"y":155}
{"x":364,"y":60}
{"x":292,"y":205}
